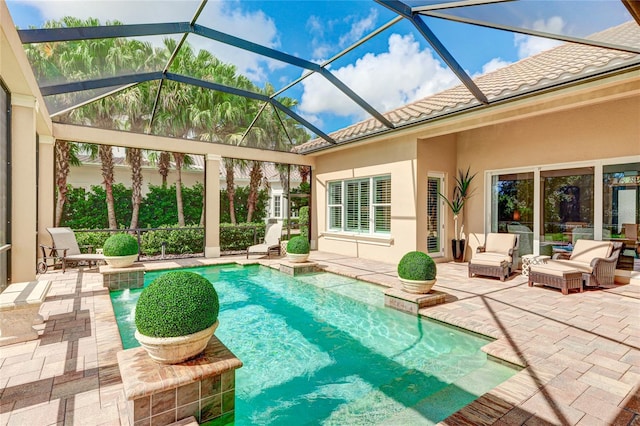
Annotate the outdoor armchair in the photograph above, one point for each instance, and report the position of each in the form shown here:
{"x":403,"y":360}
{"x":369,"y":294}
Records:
{"x":495,"y":257}
{"x":591,"y":263}
{"x":271,"y":241}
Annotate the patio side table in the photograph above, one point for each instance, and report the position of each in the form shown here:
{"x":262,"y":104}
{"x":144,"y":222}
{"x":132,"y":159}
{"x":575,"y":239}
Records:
{"x":532,"y":259}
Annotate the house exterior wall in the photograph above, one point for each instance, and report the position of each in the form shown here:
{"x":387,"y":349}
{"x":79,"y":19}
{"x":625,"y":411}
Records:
{"x":595,"y":132}
{"x":396,"y":158}
{"x":591,"y":132}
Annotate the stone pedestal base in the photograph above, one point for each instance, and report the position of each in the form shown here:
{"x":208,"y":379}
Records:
{"x":159,"y":394}
{"x":298,"y":268}
{"x":123,"y":278}
{"x":412,"y":302}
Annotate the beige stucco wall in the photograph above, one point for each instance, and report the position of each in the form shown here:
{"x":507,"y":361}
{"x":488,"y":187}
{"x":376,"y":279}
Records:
{"x":437,"y":156}
{"x":397,"y":158}
{"x":597,"y":132}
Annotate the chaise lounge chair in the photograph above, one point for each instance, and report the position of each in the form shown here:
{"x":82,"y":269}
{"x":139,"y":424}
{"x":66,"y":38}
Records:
{"x":495,"y":257}
{"x":271,"y":241}
{"x":65,"y":247}
{"x":591,"y":263}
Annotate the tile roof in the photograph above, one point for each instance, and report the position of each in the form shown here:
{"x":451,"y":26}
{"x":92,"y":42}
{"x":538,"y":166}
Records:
{"x":563,"y":63}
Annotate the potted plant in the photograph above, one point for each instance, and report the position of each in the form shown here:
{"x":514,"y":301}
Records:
{"x":417,"y":272}
{"x":461,"y":192}
{"x":120,"y":250}
{"x":176,"y":315}
{"x":298,"y":249}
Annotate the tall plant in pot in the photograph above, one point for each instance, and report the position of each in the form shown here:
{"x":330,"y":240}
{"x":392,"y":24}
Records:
{"x":461,"y":193}
{"x":417,"y":272}
{"x":176,"y":315}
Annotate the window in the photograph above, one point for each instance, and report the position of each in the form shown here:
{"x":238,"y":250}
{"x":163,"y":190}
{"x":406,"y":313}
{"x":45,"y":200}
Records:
{"x":434,"y":215}
{"x":621,"y":201}
{"x":360,"y":205}
{"x":277,"y":206}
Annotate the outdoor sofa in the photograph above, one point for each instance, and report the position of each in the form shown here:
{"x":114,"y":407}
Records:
{"x":591,"y":263}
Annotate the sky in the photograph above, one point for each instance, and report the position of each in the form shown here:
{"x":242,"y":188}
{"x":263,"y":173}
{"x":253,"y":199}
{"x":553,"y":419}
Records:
{"x":392,"y":69}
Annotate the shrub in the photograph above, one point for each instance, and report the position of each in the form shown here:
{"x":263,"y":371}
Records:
{"x":417,"y":266}
{"x":176,"y":304}
{"x":120,"y":245}
{"x":298,"y":245}
{"x":240,"y":236}
{"x":93,"y":239}
{"x":304,"y":221}
{"x":189,"y":239}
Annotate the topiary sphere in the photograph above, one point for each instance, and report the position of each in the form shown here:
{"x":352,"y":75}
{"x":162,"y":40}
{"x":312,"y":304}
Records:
{"x":417,"y":266}
{"x":298,"y":245}
{"x":177,"y":304}
{"x":120,"y":245}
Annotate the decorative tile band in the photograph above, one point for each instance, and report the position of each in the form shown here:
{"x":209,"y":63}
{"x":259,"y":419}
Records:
{"x":122,"y":278}
{"x":158,"y":394}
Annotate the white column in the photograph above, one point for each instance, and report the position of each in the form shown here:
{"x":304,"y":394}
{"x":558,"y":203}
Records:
{"x":24,"y":188}
{"x":212,"y":206}
{"x":46,"y":190}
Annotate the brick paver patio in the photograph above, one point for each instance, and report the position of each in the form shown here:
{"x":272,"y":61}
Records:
{"x":581,"y":351}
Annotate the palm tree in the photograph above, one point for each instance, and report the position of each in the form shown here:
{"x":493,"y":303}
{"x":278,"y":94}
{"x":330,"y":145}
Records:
{"x":178,"y":158}
{"x":66,"y":155}
{"x":134,"y":159}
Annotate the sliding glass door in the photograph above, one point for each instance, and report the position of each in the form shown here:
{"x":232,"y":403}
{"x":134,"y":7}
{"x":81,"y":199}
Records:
{"x":512,"y":207}
{"x":567,"y":208}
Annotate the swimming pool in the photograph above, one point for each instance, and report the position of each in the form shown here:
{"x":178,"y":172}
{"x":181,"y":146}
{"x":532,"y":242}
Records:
{"x":323,"y":349}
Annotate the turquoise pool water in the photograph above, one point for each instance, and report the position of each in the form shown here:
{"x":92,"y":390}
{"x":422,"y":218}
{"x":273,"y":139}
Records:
{"x":323,"y":349}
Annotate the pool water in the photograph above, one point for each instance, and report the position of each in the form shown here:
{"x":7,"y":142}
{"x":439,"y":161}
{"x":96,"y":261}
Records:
{"x":323,"y":349}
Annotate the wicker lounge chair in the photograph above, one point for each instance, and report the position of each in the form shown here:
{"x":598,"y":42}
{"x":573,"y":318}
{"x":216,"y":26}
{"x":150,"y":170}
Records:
{"x":65,"y":247}
{"x":271,"y":242}
{"x":495,"y":257}
{"x":591,"y":263}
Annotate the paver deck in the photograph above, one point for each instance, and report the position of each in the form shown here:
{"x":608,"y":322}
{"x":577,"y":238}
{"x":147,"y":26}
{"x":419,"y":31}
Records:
{"x":581,"y":352}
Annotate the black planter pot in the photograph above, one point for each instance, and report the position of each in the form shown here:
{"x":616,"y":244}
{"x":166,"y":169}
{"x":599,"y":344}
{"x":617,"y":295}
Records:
{"x":457,"y":250}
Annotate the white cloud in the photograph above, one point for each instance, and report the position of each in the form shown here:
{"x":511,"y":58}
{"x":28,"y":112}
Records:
{"x":528,"y":45}
{"x":492,"y":65}
{"x":252,"y":25}
{"x":358,"y":28}
{"x":386,"y":80}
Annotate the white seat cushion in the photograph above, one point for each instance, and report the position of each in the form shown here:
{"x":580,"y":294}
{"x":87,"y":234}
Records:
{"x":490,"y":259}
{"x":553,"y":268}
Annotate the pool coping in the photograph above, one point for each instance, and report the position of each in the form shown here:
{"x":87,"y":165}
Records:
{"x":581,"y":351}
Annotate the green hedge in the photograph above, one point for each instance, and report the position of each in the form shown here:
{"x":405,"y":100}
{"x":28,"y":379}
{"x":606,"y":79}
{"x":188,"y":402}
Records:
{"x":298,"y":245}
{"x":88,"y":209}
{"x":241,"y":236}
{"x":177,"y":304}
{"x":94,"y":239}
{"x":184,"y":240}
{"x":179,"y":241}
{"x":304,"y":221}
